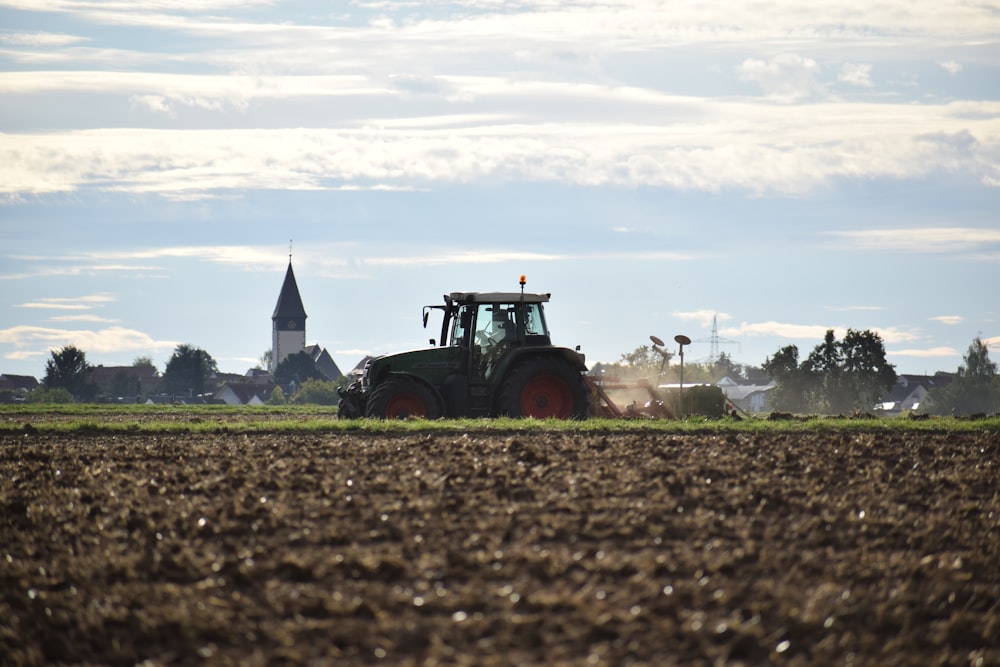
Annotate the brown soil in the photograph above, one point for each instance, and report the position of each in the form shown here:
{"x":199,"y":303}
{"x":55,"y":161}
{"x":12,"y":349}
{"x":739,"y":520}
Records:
{"x":550,"y":548}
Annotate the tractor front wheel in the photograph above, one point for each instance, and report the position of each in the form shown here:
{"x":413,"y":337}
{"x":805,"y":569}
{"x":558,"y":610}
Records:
{"x":400,"y":398}
{"x":544,"y":387}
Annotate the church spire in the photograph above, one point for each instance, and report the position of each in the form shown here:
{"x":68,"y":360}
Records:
{"x":289,"y":301}
{"x":288,"y":332}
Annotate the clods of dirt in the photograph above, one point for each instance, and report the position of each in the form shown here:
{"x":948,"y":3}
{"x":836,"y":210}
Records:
{"x":534,"y":548}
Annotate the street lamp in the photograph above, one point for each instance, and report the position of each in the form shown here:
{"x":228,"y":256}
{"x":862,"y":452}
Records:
{"x":682,"y":340}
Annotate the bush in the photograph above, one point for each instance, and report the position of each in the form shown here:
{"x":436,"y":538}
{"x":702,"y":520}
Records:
{"x":317,"y":392}
{"x":277,"y":397}
{"x":43,"y":395}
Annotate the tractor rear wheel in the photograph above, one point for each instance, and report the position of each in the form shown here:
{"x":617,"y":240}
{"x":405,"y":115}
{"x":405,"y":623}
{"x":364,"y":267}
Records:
{"x":544,"y":387}
{"x":400,"y":398}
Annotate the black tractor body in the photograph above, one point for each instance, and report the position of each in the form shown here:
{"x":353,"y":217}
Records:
{"x":495,"y":358}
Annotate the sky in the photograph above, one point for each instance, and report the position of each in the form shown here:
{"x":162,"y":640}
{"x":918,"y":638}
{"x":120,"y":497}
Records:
{"x":778,"y":168}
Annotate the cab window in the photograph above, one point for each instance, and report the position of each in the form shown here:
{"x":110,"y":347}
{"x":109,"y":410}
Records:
{"x":460,"y":326}
{"x":534,"y":323}
{"x":495,"y":324}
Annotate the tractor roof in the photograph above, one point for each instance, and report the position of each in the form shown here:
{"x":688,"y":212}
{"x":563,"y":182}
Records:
{"x":496,"y":297}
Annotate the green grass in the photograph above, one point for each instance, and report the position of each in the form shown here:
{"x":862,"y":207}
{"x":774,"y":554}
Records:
{"x":98,"y":418}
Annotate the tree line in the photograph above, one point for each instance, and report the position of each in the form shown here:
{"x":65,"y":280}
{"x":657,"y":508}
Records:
{"x":844,"y":376}
{"x":188,"y":374}
{"x":837,"y":377}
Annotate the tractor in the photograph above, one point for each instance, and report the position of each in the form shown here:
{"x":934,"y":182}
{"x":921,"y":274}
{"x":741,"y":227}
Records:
{"x":495,"y":358}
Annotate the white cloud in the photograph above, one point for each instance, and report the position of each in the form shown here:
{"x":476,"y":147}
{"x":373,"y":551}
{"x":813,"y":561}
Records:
{"x":628,"y":23}
{"x":812,"y":332}
{"x":155,"y":103}
{"x":81,"y":318}
{"x":950,"y":320}
{"x":54,"y":306}
{"x":856,"y":75}
{"x":157,"y":90}
{"x":439,"y":257}
{"x":69,"y":303}
{"x":921,"y":239}
{"x":39,"y":39}
{"x":924,"y":353}
{"x":786,"y":77}
{"x":33,"y":341}
{"x":897,"y":335}
{"x":702,"y":317}
{"x":736,"y":144}
{"x":952,"y":66}
{"x":242,"y":255}
{"x":123,"y":261}
{"x":839,"y":309}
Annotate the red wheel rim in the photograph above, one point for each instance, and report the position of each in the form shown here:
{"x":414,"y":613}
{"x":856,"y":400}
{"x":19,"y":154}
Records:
{"x":405,"y":405}
{"x":547,"y":396}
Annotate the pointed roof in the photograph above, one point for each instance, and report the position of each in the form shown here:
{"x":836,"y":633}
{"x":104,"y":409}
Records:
{"x":324,"y":362}
{"x":289,"y":302}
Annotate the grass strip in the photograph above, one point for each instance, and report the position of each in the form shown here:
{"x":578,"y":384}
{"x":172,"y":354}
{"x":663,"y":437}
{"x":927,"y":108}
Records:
{"x":123,"y":419}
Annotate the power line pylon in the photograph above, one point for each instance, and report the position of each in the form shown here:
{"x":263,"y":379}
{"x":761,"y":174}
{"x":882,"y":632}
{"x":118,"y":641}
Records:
{"x":714,"y":341}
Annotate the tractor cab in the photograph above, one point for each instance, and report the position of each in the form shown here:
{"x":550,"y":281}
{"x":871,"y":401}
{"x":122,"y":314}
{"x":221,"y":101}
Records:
{"x":486,"y":325}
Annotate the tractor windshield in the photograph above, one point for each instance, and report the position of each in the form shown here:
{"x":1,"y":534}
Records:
{"x":495,"y":323}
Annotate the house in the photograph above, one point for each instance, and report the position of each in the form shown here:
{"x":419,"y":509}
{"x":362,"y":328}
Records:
{"x":258,"y":376}
{"x":14,"y":387}
{"x":910,"y":391}
{"x":23,"y":383}
{"x":324,"y":362}
{"x":750,"y":398}
{"x":243,"y":393}
{"x":120,"y":381}
{"x":218,"y":380}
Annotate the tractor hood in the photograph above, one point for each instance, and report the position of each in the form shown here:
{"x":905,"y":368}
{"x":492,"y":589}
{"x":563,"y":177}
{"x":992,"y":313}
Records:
{"x":430,"y":363}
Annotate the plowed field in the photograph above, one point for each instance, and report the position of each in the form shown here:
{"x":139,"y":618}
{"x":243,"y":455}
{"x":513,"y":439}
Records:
{"x":534,"y":548}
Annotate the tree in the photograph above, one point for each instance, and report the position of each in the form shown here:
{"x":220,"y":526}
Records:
{"x":265,"y":359}
{"x":866,"y":375}
{"x":755,"y":375}
{"x":298,"y":367}
{"x":188,"y":370}
{"x":68,"y":369}
{"x":125,"y":383}
{"x":822,"y":370}
{"x":643,"y":360}
{"x":791,"y":381}
{"x":836,"y":377}
{"x":975,"y":388}
{"x":144,"y":362}
{"x":725,"y":367}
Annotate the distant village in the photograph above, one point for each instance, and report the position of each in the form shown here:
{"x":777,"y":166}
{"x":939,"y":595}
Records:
{"x":142,"y":383}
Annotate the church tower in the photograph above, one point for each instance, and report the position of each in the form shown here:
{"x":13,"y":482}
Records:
{"x":288,"y":322}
